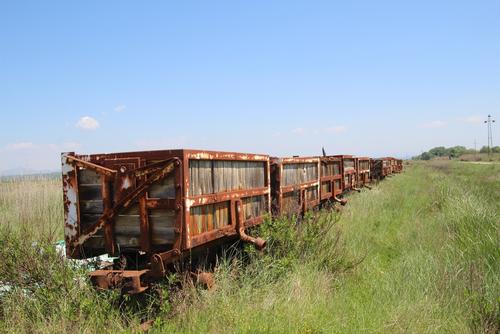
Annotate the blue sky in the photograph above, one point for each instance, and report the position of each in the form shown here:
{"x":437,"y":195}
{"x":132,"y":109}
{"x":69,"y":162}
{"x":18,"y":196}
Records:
{"x":278,"y":77}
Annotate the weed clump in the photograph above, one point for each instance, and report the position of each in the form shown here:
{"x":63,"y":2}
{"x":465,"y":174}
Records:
{"x":41,"y":291}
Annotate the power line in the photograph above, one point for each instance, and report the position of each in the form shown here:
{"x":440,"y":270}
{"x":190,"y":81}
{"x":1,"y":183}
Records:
{"x":490,"y":136}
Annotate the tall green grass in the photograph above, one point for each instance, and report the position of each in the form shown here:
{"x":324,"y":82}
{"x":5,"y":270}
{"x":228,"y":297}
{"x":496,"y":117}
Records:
{"x":32,"y":206}
{"x":429,"y":242}
{"x":419,"y":253}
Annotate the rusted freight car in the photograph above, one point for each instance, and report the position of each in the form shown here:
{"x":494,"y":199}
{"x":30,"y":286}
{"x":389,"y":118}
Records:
{"x":158,"y":207}
{"x":379,"y":168}
{"x":399,"y":165}
{"x":348,"y":172}
{"x":331,"y":179}
{"x":363,"y":171}
{"x":393,"y":165}
{"x":295,"y":184}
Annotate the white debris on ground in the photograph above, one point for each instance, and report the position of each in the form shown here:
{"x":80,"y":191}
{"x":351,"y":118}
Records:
{"x":93,"y":263}
{"x":90,"y":264}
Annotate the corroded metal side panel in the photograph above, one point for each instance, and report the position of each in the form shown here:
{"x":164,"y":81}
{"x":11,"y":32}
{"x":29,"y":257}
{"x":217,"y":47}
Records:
{"x":380,"y":168}
{"x":362,"y":171}
{"x":331,"y":177}
{"x":348,"y":171}
{"x":295,"y":184}
{"x":71,"y":207}
{"x":213,"y":183}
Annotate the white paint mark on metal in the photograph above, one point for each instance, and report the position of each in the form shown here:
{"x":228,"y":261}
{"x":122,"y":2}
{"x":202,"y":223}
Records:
{"x":189,"y":203}
{"x":126,"y":183}
{"x":66,"y":167}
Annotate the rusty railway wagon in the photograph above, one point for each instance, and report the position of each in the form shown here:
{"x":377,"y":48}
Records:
{"x":155,"y":209}
{"x":158,"y":207}
{"x":295,"y":184}
{"x":379,"y":168}
{"x":348,"y":172}
{"x":399,"y":165}
{"x":331,"y":179}
{"x":363,"y":177}
{"x":393,"y":164}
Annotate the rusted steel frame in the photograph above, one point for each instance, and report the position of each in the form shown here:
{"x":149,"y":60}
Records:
{"x":362,"y":173}
{"x":300,"y":186}
{"x":328,"y":194}
{"x":225,"y":196}
{"x":129,"y":280}
{"x":343,"y":156}
{"x":360,"y":160}
{"x":356,"y":176}
{"x":186,"y":214}
{"x":190,"y":154}
{"x":71,"y":201}
{"x":190,"y":201}
{"x":298,"y":160}
{"x":208,"y":236}
{"x":226,"y":231}
{"x":86,"y":164}
{"x":258,"y":243}
{"x":341,"y":178}
{"x":337,"y":177}
{"x":329,"y":178}
{"x":303,"y":203}
{"x":161,"y":203}
{"x":215,"y":155}
{"x":311,"y":204}
{"x":330,"y":158}
{"x":109,"y":238}
{"x":160,"y":260}
{"x":148,"y":169}
{"x":364,"y":179}
{"x":145,"y":228}
{"x":124,"y":203}
{"x":302,"y":199}
{"x":268,"y":184}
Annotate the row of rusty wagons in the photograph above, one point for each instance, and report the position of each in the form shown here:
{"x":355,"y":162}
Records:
{"x":157,"y":208}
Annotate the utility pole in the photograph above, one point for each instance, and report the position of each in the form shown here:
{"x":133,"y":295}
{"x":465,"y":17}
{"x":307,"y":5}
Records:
{"x":490,"y":138}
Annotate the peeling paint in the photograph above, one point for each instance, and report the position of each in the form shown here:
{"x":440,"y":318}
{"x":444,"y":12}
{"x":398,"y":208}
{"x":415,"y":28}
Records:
{"x":70,"y":198}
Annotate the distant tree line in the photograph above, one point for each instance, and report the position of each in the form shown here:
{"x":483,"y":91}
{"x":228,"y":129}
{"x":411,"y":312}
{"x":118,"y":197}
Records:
{"x":452,"y":152}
